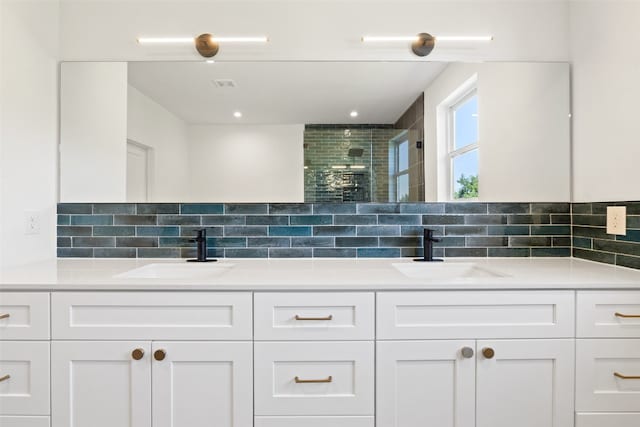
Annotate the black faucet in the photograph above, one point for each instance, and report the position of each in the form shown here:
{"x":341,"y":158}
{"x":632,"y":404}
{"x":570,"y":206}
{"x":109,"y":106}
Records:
{"x":427,"y":243}
{"x":201,"y":241}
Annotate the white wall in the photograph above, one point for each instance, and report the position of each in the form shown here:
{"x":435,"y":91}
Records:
{"x":150,"y":124}
{"x":606,"y":94}
{"x":28,"y":127}
{"x":314,"y":29}
{"x":524,"y":131}
{"x":93,"y":132}
{"x":245,"y":163}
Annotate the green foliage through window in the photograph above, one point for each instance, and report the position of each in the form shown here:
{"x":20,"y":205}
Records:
{"x":468,"y":187}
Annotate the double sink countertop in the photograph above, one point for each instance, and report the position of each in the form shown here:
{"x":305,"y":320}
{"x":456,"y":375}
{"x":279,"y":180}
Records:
{"x":316,"y":275}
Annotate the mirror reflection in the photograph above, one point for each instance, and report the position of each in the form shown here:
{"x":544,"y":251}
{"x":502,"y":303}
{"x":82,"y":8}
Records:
{"x":314,"y":132}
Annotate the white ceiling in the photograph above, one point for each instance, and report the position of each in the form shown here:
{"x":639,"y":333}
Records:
{"x":284,"y":92}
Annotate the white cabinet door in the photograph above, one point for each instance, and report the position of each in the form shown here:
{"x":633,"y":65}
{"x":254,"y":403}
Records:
{"x":100,"y":384}
{"x":202,"y":384}
{"x":24,"y":378}
{"x":526,"y":383}
{"x":425,"y":383}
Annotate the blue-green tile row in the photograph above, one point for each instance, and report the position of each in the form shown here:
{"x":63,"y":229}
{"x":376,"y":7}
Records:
{"x":591,"y":240}
{"x":262,"y":230}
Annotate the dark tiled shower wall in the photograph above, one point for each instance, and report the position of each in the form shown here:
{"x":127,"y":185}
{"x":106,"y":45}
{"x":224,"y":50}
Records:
{"x":590,"y":238}
{"x":314,"y":230}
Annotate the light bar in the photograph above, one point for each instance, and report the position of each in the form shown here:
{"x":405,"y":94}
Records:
{"x":187,"y":40}
{"x":464,"y":38}
{"x":367,"y":39}
{"x":261,"y":39}
{"x":165,"y":40}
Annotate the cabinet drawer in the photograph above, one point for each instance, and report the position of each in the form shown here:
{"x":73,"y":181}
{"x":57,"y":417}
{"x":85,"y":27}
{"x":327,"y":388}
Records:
{"x":24,"y":370}
{"x":314,"y":378}
{"x":597,"y":386}
{"x":314,"y":316}
{"x":608,"y":314}
{"x":486,"y":314}
{"x":24,"y":316}
{"x":149,"y":316}
{"x":314,"y":421}
{"x":24,"y":421}
{"x":607,"y":420}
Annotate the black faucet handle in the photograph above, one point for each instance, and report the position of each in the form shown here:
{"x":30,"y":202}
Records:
{"x":428,"y":235}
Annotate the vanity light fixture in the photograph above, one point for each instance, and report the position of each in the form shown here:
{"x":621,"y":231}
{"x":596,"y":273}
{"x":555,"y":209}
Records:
{"x":423,"y":43}
{"x":237,"y":115}
{"x":206,"y":44}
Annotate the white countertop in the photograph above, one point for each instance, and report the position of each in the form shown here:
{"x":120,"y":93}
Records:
{"x":319,"y":274}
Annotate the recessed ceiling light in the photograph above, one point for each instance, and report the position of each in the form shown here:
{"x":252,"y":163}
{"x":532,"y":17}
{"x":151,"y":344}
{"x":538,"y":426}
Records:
{"x":210,"y":61}
{"x":354,"y":114}
{"x":237,"y":114}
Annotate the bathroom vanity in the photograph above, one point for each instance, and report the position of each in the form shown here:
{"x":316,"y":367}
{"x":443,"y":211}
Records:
{"x":340,"y":343}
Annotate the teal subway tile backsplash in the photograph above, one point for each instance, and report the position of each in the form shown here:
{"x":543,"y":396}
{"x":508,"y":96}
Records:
{"x":590,"y":238}
{"x":156,"y":230}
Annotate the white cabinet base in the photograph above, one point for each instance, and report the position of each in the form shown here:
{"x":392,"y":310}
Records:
{"x":314,"y":422}
{"x":24,"y":421}
{"x":607,"y":419}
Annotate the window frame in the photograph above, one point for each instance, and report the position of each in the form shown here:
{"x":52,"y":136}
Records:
{"x":469,"y":92}
{"x":397,"y":173}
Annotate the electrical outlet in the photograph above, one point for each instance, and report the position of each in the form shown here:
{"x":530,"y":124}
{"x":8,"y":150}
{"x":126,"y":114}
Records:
{"x":31,"y":222}
{"x":617,"y":220}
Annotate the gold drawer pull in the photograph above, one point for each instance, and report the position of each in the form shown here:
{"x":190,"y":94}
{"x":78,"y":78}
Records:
{"x":326,"y":380}
{"x":628,"y":316}
{"x":624,"y":377}
{"x":6,"y":377}
{"x":329,"y":317}
{"x":5,"y":316}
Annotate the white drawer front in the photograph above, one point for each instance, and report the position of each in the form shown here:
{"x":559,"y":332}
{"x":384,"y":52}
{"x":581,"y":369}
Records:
{"x":597,"y":386}
{"x":24,"y":421}
{"x":343,"y":370}
{"x":314,"y":422}
{"x":314,"y":316}
{"x":607,"y":420}
{"x":24,"y":370}
{"x":486,"y":314}
{"x":608,"y":314}
{"x":157,"y":315}
{"x":24,"y":316}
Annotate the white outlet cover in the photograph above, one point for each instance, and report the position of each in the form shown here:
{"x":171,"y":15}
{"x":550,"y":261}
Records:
{"x":31,"y":222}
{"x":617,"y":220}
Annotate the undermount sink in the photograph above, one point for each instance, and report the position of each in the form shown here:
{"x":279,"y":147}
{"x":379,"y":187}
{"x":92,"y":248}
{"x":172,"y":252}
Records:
{"x":445,"y":270}
{"x":177,"y":271}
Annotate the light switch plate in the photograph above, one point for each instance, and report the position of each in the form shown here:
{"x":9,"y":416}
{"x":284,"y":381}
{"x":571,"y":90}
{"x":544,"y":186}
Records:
{"x":617,"y":220}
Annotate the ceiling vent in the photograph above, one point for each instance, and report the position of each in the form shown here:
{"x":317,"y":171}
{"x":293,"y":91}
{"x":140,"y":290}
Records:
{"x":224,"y":83}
